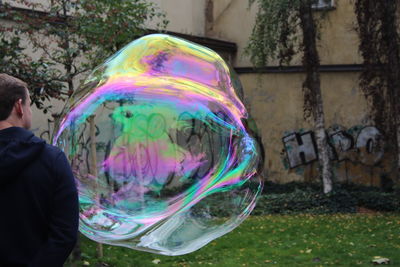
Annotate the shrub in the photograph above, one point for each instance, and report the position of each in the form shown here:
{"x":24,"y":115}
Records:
{"x":297,"y":197}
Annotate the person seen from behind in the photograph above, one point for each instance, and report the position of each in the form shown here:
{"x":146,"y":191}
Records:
{"x":39,"y":214}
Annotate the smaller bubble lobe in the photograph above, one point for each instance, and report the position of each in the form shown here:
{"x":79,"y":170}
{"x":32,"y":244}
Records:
{"x":158,"y":143}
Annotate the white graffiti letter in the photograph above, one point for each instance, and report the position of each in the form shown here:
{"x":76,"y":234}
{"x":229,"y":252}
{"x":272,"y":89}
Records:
{"x":300,"y":148}
{"x":342,"y":142}
{"x":370,"y":144}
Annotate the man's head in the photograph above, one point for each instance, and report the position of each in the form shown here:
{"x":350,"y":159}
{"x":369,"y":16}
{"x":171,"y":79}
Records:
{"x":15,"y":103}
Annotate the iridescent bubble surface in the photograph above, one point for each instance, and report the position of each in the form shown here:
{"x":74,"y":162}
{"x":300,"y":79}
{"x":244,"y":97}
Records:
{"x":158,"y":143}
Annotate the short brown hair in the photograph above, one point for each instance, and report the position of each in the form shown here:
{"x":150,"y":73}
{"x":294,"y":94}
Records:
{"x":11,"y":89}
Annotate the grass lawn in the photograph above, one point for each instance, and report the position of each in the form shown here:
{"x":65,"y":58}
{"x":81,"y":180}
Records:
{"x":280,"y":240}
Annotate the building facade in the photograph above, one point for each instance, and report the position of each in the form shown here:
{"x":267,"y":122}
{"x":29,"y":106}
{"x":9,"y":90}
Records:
{"x":274,"y":95}
{"x":275,"y":99}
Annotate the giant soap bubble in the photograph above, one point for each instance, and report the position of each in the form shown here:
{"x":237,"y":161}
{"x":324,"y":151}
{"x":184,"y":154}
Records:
{"x":158,"y":143}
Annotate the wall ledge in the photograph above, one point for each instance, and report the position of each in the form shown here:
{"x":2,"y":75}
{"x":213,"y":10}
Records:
{"x":300,"y":69}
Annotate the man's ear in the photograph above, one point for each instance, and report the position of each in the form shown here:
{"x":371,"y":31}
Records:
{"x":18,"y":108}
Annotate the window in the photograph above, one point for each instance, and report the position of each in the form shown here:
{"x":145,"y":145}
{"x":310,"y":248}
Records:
{"x":324,"y":4}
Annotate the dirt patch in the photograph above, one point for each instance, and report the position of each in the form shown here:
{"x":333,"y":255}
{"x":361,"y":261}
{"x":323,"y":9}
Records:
{"x":366,"y":211}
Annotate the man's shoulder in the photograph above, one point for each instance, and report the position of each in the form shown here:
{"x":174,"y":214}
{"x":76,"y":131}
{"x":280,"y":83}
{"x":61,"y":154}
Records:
{"x":52,"y":151}
{"x":54,"y":159}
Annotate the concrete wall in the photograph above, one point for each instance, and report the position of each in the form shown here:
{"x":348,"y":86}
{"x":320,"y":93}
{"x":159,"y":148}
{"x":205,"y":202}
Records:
{"x":339,"y":40}
{"x":233,"y":20}
{"x":276,"y":104}
{"x":185,"y":16}
{"x":276,"y":100}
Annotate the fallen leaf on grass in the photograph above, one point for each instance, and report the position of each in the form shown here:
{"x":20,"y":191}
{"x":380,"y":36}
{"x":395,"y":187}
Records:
{"x":156,"y":261}
{"x":380,"y":260}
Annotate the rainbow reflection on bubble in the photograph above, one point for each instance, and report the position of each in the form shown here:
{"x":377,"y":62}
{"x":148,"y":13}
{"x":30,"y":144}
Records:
{"x":158,"y":143}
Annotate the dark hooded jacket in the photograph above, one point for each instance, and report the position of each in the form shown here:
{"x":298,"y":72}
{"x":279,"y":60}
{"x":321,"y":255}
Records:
{"x":39,"y":202}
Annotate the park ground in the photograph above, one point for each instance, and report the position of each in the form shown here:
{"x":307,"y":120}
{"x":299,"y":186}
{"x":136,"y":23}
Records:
{"x":279,"y":240}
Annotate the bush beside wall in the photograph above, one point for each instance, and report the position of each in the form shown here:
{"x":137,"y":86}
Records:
{"x":295,"y":198}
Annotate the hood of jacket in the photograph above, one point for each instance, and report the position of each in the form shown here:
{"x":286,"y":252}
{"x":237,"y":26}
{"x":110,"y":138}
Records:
{"x":18,"y":149}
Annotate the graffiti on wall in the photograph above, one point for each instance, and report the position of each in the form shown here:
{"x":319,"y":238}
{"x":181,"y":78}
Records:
{"x":45,"y":130}
{"x":359,"y":144}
